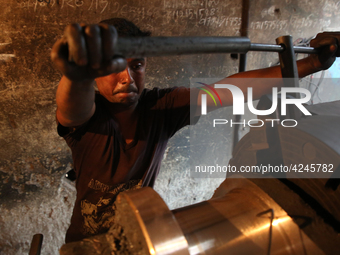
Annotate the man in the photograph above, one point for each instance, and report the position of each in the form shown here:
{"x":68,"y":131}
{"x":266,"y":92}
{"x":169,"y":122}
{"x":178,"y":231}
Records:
{"x":118,"y":136}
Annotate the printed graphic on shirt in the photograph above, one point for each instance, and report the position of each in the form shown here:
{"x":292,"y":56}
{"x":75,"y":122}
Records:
{"x":99,"y":217}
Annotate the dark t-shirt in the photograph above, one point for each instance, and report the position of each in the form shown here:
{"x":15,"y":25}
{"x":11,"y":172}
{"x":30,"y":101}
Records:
{"x":101,"y":155}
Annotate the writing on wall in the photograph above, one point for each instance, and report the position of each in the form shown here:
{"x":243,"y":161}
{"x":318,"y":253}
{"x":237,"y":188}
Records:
{"x":209,"y":13}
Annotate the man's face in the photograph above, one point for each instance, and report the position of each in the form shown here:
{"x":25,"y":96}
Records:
{"x":125,"y":87}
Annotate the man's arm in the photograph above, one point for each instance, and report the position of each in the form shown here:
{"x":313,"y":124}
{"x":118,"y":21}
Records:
{"x":75,"y":101}
{"x":329,"y":44}
{"x":83,"y":54}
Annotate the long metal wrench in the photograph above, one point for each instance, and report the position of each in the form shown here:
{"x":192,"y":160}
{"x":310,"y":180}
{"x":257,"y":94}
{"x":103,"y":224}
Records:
{"x":164,"y":46}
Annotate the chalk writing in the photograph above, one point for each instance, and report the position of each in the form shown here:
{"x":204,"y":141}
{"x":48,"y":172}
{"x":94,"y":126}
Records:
{"x":204,"y":17}
{"x":192,"y":13}
{"x":269,"y":25}
{"x":180,"y":4}
{"x":29,"y":4}
{"x":295,"y":22}
{"x":6,"y":57}
{"x":51,"y":3}
{"x":99,"y":4}
{"x":134,"y":12}
{"x":221,"y":21}
{"x":309,"y":22}
{"x":330,"y":8}
{"x":210,"y":13}
{"x":71,"y":3}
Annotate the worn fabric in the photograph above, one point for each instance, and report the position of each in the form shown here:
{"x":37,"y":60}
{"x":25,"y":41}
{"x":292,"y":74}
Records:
{"x":101,"y":155}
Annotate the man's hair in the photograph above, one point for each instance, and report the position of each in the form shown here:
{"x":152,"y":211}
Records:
{"x":125,"y":27}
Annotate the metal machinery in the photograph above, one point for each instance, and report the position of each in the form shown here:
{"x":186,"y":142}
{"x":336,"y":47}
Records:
{"x":283,"y":215}
{"x":239,"y":219}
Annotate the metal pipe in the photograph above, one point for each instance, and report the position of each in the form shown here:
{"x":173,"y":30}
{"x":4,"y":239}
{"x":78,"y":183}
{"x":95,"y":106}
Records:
{"x":243,"y":62}
{"x":289,"y":70}
{"x":280,"y":48}
{"x":165,"y":46}
{"x":244,"y":32}
{"x":288,"y":60}
{"x":36,"y":244}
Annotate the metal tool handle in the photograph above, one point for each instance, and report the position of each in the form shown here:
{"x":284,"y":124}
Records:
{"x":165,"y":46}
{"x":290,"y":72}
{"x":36,"y":244}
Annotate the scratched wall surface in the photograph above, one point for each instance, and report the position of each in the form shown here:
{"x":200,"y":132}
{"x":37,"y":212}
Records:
{"x":34,"y":195}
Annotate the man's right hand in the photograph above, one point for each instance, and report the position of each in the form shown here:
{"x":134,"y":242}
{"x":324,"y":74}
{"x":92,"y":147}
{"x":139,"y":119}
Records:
{"x":86,"y":52}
